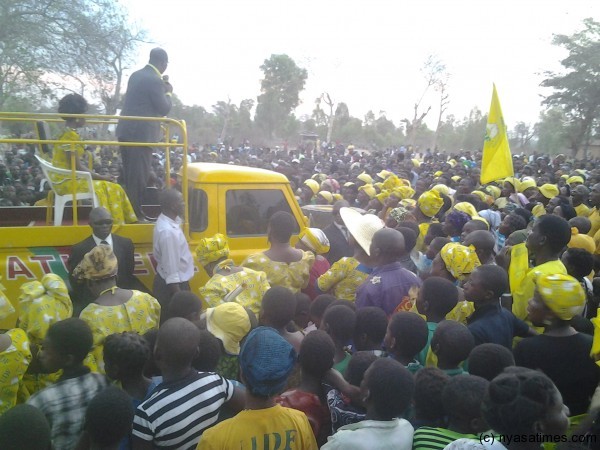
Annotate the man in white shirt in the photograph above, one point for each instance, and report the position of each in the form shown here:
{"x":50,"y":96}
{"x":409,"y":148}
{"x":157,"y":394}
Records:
{"x":174,"y":262}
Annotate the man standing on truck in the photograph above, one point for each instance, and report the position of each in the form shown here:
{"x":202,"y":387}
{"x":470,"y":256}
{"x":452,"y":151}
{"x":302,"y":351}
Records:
{"x":148,"y":95}
{"x":174,"y":262}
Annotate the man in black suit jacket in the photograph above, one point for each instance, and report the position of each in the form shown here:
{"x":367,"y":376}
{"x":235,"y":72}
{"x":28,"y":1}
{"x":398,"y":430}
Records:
{"x":148,"y":95}
{"x":101,"y":223}
{"x":337,"y":235}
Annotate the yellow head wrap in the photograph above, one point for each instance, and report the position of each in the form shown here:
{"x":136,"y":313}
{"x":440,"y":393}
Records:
{"x":527,"y":183}
{"x":327,"y":196}
{"x":581,"y":241}
{"x":212,"y":249}
{"x":467,"y":208}
{"x":313,"y":185}
{"x":481,"y":219}
{"x":438,"y":173}
{"x":382,"y":196}
{"x":369,"y":190}
{"x":494,"y":191}
{"x":349,"y":184}
{"x":391,"y":182}
{"x":575,"y":179}
{"x":538,"y":210}
{"x":365,"y":178}
{"x":460,"y":260}
{"x":562,"y":294}
{"x":455,"y":178}
{"x":384,"y":174}
{"x":315,"y":239}
{"x":441,"y":189}
{"x":337,"y":197}
{"x":430,"y":203}
{"x":452,"y":162}
{"x":482,"y":195}
{"x":408,"y":202}
{"x":514,"y":183}
{"x":549,"y":190}
{"x":416,"y":162}
{"x":403,"y":192}
{"x":97,"y":264}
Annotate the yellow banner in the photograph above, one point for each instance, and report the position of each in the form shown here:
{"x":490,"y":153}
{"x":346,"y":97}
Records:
{"x":496,"y":163}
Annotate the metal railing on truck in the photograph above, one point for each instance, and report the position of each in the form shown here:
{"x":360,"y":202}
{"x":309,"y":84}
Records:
{"x":168,"y":125}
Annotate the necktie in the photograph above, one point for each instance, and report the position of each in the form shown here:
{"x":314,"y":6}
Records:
{"x":104,"y":243}
{"x":344,"y":232}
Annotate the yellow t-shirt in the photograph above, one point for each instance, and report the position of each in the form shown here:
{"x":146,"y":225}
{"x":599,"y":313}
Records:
{"x":525,"y":291}
{"x":582,"y":210}
{"x":270,"y":428}
{"x":595,"y":219}
{"x":343,"y":278}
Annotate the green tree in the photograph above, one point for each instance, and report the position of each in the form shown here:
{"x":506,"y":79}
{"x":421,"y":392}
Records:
{"x":280,"y":93}
{"x":87,"y":40}
{"x":551,"y":132}
{"x":577,"y":89}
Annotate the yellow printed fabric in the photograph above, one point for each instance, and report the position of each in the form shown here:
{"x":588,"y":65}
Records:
{"x":527,"y":287}
{"x":562,"y":294}
{"x":582,"y":210}
{"x":519,"y":266}
{"x":595,"y":219}
{"x":343,"y":279}
{"x":253,"y":285}
{"x":461,"y":312}
{"x":6,"y":307}
{"x":460,"y":260}
{"x":293,"y":276}
{"x":14,"y":362}
{"x":423,"y":229}
{"x":41,"y":304}
{"x":496,"y":161}
{"x":139,"y":314}
{"x":212,"y":249}
{"x":596,"y":343}
{"x":268,"y":428}
{"x":110,"y":195}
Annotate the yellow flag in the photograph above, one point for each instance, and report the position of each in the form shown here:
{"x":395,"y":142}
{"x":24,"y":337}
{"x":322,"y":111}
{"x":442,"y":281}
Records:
{"x":497,"y":160}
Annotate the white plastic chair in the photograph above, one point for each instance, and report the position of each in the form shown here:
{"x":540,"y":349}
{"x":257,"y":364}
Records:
{"x":60,"y":200}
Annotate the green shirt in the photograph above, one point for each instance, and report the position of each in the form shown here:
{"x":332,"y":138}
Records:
{"x":422,"y":356}
{"x":429,"y":438}
{"x":343,"y":364}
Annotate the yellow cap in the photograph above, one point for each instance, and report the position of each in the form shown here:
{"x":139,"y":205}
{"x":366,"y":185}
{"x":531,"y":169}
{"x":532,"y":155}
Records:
{"x":549,"y":190}
{"x":365,"y":178}
{"x":313,"y":185}
{"x":369,"y":190}
{"x":327,"y":196}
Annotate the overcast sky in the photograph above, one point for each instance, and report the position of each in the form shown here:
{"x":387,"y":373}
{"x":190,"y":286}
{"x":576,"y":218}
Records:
{"x":366,"y":53}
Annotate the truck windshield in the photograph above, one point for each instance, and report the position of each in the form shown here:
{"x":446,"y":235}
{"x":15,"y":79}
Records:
{"x":249,"y":210}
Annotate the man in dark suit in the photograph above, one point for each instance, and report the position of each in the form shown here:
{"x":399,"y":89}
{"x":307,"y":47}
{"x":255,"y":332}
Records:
{"x":337,"y":235}
{"x":101,"y":223}
{"x":148,"y":95}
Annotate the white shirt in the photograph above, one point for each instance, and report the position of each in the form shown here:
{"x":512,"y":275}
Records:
{"x":98,"y":241}
{"x":174,"y":262}
{"x":394,"y":434}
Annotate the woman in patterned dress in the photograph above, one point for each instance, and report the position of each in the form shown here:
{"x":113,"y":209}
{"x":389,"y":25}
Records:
{"x":115,"y":310}
{"x":284,"y":265}
{"x":110,"y":195}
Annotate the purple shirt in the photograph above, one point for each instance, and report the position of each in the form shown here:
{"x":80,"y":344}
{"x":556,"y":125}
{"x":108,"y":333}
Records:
{"x":386,"y":287}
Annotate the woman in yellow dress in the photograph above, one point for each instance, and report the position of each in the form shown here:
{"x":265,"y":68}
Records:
{"x":15,"y":356}
{"x":345,"y":275}
{"x":115,"y":310}
{"x":229,"y":283}
{"x":284,"y":265}
{"x":110,"y":195}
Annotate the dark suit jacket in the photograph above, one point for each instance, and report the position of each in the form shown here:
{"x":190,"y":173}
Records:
{"x":338,"y":245}
{"x":123,"y":250}
{"x":146,"y":97}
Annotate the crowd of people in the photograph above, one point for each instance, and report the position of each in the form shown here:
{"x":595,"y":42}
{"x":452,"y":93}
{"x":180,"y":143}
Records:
{"x":431,"y":311}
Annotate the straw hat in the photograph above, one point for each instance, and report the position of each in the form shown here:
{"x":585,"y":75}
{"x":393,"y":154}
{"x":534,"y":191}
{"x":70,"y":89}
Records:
{"x":362,"y":228}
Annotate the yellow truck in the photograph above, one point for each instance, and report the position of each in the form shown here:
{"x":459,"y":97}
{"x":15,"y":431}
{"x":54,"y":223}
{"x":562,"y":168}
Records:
{"x":220,"y":198}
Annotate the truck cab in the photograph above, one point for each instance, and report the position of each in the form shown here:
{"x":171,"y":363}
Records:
{"x":236,"y":201}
